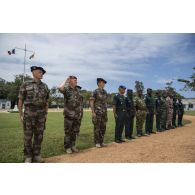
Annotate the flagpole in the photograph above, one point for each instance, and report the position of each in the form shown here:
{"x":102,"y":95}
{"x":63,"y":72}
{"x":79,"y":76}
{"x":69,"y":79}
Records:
{"x":24,"y":63}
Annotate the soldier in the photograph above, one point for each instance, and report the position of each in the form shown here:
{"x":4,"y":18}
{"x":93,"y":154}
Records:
{"x":158,"y":104}
{"x":150,"y":105}
{"x":73,"y":112}
{"x":34,"y":95}
{"x":98,"y":104}
{"x":175,"y":110}
{"x":140,"y":113}
{"x":163,"y":110}
{"x":180,"y":112}
{"x":169,"y":100}
{"x":130,"y":115}
{"x":119,"y":110}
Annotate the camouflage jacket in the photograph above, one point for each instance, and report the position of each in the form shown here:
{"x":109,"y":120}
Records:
{"x":169,"y":103}
{"x":35,"y":93}
{"x":99,"y":96}
{"x":150,"y":103}
{"x":163,"y":106}
{"x":130,"y":104}
{"x":73,"y":103}
{"x":119,"y":102}
{"x":140,"y":104}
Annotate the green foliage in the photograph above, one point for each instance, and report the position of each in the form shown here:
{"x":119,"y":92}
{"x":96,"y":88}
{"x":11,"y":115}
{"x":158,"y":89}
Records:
{"x":189,"y":84}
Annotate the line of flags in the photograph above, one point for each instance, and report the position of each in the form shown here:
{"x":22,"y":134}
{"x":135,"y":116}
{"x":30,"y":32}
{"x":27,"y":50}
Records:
{"x":13,"y":51}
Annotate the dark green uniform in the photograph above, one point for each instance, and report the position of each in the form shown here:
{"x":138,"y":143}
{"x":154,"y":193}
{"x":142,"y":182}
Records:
{"x":99,"y":98}
{"x":120,"y":104}
{"x":150,"y":105}
{"x":163,"y":110}
{"x":158,"y":113}
{"x":35,"y":95}
{"x":180,"y":113}
{"x":73,"y":112}
{"x":130,"y":106}
{"x":175,"y":110}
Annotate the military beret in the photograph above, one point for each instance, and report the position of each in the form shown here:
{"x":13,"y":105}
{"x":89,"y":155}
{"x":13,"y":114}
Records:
{"x":129,"y":90}
{"x":72,"y":77}
{"x":37,"y":68}
{"x":122,"y":87}
{"x":149,"y":89}
{"x":101,"y":79}
{"x":79,"y":87}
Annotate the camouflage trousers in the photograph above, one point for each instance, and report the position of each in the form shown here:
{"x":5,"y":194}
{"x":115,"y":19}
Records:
{"x":71,"y":130}
{"x":163,"y":119}
{"x":140,"y":119}
{"x":34,"y":125}
{"x":99,"y":127}
{"x":169,"y":117}
{"x":158,"y":119}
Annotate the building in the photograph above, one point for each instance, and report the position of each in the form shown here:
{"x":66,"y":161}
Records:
{"x":5,"y":104}
{"x":189,"y":104}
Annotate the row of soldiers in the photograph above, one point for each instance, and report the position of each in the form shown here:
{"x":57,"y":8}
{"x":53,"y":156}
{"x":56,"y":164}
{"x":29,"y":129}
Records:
{"x":34,"y":95}
{"x":125,"y":109}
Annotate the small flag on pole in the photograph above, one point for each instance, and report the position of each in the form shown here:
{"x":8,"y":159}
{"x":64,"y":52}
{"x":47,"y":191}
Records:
{"x":13,"y":51}
{"x":32,"y":56}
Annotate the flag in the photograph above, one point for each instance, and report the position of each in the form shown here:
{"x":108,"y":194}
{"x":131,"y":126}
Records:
{"x":32,"y":56}
{"x":13,"y":51}
{"x":9,"y":52}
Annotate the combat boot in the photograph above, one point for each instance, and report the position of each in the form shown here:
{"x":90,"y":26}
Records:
{"x":103,"y":144}
{"x":74,"y":149}
{"x":98,"y":146}
{"x":68,"y":151}
{"x":38,"y":159}
{"x":28,"y":160}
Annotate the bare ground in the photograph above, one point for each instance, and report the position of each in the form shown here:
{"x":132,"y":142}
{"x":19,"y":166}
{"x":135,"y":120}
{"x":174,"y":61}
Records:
{"x":177,"y":145}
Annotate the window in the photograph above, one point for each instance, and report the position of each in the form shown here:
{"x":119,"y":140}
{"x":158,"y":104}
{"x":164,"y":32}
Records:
{"x":190,"y":105}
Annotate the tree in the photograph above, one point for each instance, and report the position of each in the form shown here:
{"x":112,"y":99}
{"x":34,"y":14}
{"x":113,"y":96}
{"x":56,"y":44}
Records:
{"x":189,"y":84}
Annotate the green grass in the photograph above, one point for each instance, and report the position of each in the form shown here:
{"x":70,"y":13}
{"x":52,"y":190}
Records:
{"x":192,"y":113}
{"x":11,"y":135}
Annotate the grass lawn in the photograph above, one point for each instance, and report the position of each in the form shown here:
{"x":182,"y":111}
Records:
{"x":192,"y":113}
{"x":11,"y":135}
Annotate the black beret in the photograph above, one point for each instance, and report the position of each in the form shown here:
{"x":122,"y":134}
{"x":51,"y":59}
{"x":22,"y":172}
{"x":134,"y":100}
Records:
{"x":101,"y":79}
{"x":122,"y":87}
{"x":130,"y":90}
{"x":37,"y":68}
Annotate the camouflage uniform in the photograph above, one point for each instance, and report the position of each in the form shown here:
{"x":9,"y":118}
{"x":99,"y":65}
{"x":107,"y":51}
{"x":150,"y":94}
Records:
{"x":130,"y":105}
{"x":175,"y":110}
{"x":158,"y":113}
{"x":140,"y":114}
{"x":163,"y":110}
{"x":99,"y":98}
{"x":120,"y":104}
{"x":169,"y":111}
{"x":150,"y":105}
{"x":180,"y":113}
{"x":34,"y":95}
{"x":73,"y":112}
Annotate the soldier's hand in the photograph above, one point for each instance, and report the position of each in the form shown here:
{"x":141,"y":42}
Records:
{"x":93,"y":114}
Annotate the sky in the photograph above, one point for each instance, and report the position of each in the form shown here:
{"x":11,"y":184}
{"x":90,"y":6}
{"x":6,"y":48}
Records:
{"x":120,"y":59}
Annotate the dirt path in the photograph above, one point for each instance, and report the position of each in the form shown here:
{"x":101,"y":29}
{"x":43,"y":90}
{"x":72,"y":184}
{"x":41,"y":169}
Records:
{"x":176,"y":145}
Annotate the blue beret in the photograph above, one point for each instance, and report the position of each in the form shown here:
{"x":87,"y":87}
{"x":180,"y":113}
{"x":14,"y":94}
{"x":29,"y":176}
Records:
{"x":101,"y":79}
